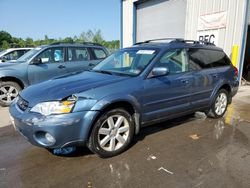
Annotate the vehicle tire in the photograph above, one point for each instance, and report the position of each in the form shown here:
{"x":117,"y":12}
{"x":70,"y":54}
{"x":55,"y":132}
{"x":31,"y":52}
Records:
{"x":219,"y":106}
{"x":8,"y":92}
{"x":112,"y":133}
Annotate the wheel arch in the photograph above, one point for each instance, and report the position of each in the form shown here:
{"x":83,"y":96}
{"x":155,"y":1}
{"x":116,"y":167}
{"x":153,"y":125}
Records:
{"x":225,"y":86}
{"x":13,"y":79}
{"x":125,"y":103}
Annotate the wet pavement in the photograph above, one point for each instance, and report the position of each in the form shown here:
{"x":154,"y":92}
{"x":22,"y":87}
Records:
{"x":185,"y":152}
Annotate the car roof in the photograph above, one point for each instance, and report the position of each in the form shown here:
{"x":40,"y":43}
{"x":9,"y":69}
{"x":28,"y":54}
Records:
{"x":176,"y":43}
{"x":87,"y":44}
{"x":12,"y":49}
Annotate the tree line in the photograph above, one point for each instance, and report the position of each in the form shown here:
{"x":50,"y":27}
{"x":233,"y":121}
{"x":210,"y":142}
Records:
{"x":9,"y":41}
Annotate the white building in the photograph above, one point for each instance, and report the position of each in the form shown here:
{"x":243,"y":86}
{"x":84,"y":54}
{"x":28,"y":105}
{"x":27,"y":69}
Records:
{"x":223,"y":22}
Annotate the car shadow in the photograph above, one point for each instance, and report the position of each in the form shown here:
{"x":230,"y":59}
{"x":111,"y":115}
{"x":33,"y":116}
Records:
{"x":151,"y":129}
{"x":144,"y":132}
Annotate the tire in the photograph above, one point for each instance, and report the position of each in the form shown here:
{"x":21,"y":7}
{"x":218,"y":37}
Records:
{"x":109,"y":139}
{"x":218,"y":103}
{"x":8,"y":92}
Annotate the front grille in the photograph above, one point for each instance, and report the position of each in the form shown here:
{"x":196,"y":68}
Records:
{"x":22,"y":104}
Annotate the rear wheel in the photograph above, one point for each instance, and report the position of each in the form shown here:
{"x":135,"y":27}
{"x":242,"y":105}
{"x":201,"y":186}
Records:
{"x":8,"y":92}
{"x":219,"y":105}
{"x":112,"y":133}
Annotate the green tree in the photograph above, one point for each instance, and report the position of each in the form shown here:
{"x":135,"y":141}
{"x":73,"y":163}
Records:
{"x":5,"y":36}
{"x":5,"y":45}
{"x":29,"y":42}
{"x":97,"y":37}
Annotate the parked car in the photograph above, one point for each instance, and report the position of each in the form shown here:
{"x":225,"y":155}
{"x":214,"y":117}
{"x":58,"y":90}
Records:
{"x":12,"y":54}
{"x":45,"y":62}
{"x":134,"y":87}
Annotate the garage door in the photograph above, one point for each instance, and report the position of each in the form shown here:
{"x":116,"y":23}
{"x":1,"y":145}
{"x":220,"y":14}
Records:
{"x":160,"y":18}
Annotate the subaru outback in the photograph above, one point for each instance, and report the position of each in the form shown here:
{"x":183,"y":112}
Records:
{"x":46,"y":62}
{"x":141,"y":85}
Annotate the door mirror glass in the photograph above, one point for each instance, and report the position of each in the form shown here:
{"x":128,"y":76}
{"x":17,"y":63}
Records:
{"x":159,"y":71}
{"x":37,"y":61}
{"x":4,"y":58}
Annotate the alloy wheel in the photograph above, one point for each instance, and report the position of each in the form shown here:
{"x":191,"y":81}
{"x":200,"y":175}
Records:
{"x":113,"y":133}
{"x":220,"y":104}
{"x":8,"y":93}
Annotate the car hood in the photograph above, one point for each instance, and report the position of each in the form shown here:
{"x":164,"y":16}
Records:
{"x":60,"y":88}
{"x":8,"y":64}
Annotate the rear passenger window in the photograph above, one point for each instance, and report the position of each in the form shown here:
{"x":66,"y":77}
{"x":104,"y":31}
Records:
{"x":201,"y":59}
{"x":99,"y":53}
{"x":78,"y":54}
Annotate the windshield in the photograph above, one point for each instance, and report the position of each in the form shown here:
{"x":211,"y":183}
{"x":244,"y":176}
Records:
{"x":29,"y":54}
{"x":2,"y":52}
{"x":128,"y":62}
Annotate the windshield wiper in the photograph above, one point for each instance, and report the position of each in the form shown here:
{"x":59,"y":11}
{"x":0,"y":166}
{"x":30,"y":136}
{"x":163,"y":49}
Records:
{"x":103,"y":71}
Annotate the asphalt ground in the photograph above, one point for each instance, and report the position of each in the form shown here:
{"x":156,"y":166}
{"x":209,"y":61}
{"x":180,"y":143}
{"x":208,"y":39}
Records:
{"x":192,"y":151}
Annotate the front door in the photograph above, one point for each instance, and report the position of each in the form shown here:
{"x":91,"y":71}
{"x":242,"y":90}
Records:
{"x":52,"y":65}
{"x":168,"y":95}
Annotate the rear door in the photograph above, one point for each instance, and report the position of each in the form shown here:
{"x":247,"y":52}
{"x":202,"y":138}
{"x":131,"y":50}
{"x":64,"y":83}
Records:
{"x":204,"y":65}
{"x":97,"y":54}
{"x":78,"y":59}
{"x":168,"y":95}
{"x":53,"y":65}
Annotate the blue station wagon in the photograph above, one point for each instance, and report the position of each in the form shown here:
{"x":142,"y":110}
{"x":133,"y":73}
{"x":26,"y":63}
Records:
{"x":106,"y":107}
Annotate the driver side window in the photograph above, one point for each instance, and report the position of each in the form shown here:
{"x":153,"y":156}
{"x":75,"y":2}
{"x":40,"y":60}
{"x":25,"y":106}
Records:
{"x":52,"y":55}
{"x":175,"y":61}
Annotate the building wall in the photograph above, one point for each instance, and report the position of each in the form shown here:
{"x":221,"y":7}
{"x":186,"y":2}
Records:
{"x":230,"y":35}
{"x":127,"y":19}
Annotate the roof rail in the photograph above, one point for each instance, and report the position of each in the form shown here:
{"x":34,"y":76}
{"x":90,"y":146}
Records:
{"x":198,"y":42}
{"x":57,"y":43}
{"x":178,"y":40}
{"x":92,"y":43}
{"x":169,"y":39}
{"x":85,"y":43}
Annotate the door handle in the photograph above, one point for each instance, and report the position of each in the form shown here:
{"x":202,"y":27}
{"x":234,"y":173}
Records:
{"x":91,"y":64}
{"x":61,"y":67}
{"x":215,"y":75}
{"x":185,"y":81}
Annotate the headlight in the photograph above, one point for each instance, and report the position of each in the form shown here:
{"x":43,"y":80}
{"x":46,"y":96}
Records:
{"x":54,"y":107}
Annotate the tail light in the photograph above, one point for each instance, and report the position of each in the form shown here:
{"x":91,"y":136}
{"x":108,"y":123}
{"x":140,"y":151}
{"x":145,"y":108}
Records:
{"x":236,"y":72}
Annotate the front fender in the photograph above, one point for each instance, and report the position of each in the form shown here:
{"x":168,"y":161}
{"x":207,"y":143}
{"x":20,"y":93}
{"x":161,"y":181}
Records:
{"x":104,"y":102}
{"x":111,"y":99}
{"x":16,"y":75}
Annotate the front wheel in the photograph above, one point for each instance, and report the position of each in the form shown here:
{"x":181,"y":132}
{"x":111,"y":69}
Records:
{"x":8,"y":92}
{"x":219,"y":105}
{"x":112,"y":133}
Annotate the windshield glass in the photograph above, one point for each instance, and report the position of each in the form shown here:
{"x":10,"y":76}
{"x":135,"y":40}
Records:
{"x":29,"y":54}
{"x":2,"y":52}
{"x":128,"y":62}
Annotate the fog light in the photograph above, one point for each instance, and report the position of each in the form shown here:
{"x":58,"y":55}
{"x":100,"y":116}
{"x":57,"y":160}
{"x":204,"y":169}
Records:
{"x":50,"y":138}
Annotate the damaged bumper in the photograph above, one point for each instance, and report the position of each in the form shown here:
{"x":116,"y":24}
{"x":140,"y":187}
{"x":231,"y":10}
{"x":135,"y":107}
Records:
{"x":54,"y":131}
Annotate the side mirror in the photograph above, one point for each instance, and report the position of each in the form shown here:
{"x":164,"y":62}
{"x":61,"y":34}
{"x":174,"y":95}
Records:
{"x":159,"y":71}
{"x":4,"y":58}
{"x":37,"y":61}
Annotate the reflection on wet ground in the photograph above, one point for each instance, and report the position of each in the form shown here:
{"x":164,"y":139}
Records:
{"x":185,"y":152}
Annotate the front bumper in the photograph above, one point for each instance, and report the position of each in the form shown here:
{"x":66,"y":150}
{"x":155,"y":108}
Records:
{"x":67,"y":129}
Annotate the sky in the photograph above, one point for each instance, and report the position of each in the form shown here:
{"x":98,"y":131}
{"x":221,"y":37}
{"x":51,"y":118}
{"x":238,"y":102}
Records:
{"x":59,"y":18}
